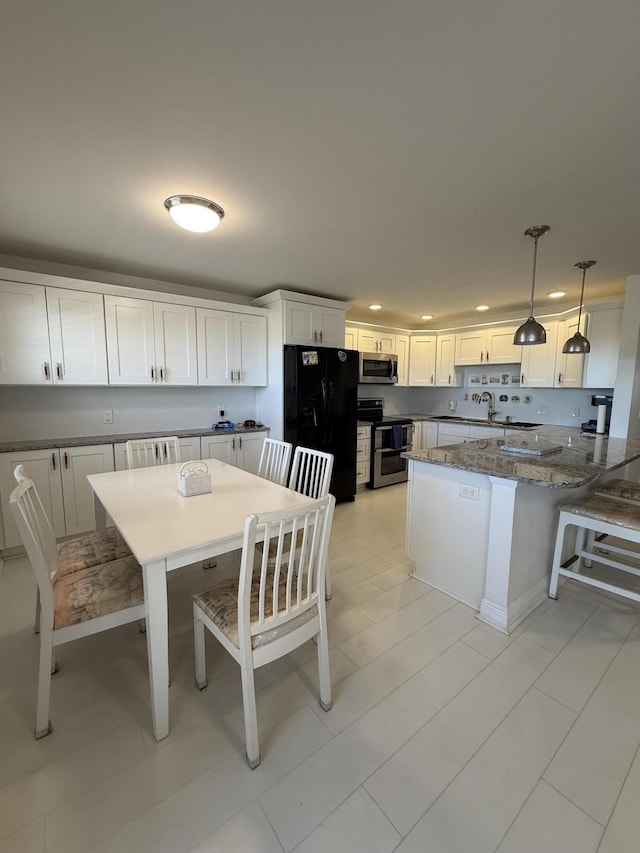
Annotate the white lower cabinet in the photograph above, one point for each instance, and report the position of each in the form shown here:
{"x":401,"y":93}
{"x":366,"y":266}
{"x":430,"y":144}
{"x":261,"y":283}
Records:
{"x":425,"y":435}
{"x":60,"y":477}
{"x":458,"y":433}
{"x":363,"y":455}
{"x":243,"y":451}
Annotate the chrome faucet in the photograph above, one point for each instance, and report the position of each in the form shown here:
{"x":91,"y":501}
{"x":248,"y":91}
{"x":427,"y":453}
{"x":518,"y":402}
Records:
{"x":487,"y":397}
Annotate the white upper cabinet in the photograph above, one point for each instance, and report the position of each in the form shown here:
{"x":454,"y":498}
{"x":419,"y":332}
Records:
{"x":487,"y":346}
{"x":539,"y":360}
{"x":51,"y":336}
{"x":374,"y":341}
{"x":422,"y":360}
{"x":77,"y":337}
{"x":445,"y":361}
{"x":232,"y":348}
{"x":350,"y":337}
{"x":500,"y":346}
{"x":25,"y":358}
{"x":603,"y":331}
{"x":150,"y":343}
{"x":568,"y":372}
{"x":318,"y":325}
{"x":402,"y":351}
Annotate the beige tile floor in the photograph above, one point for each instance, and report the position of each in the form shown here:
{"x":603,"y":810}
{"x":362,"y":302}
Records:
{"x":444,"y":736}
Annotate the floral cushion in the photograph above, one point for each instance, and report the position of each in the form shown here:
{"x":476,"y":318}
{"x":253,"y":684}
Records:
{"x":96,"y":591}
{"x":94,"y":549}
{"x":220,"y":604}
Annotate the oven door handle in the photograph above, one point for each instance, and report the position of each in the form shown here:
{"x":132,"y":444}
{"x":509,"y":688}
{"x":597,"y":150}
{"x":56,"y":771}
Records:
{"x":393,"y":450}
{"x":384,"y":428}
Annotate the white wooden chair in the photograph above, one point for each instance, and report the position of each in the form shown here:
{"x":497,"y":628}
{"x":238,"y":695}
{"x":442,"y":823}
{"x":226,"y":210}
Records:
{"x":144,"y":452}
{"x":81,"y":552}
{"x":75,"y":604}
{"x":272,"y":609}
{"x":274,"y":460}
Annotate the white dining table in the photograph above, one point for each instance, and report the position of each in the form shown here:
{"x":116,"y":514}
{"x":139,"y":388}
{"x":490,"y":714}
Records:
{"x":166,"y":531}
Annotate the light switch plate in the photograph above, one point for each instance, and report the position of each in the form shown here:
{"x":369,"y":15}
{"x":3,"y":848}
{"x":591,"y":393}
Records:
{"x":107,"y":416}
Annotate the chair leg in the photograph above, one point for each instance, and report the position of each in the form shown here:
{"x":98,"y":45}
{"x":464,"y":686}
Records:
{"x":198,"y":641}
{"x":47,"y":657}
{"x":591,"y":541}
{"x":324,"y":673}
{"x":557,"y":556}
{"x":250,"y":713}
{"x":36,"y":624}
{"x":328,"y":590}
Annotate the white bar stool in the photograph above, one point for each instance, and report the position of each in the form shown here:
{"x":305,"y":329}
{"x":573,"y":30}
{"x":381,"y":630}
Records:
{"x":599,"y":516}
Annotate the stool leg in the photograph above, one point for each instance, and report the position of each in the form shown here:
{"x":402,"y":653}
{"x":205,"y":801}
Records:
{"x":557,"y":556}
{"x":591,"y":538}
{"x":580,"y":537}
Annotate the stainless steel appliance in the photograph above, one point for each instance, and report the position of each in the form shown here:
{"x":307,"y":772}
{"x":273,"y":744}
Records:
{"x":390,"y":438}
{"x":380,"y":368}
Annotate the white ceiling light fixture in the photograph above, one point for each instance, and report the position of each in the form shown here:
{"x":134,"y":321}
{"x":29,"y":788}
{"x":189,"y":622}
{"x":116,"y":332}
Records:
{"x":375,"y":307}
{"x":194,"y":213}
{"x":577,"y":343}
{"x":531,"y":332}
{"x":556,"y":294}
{"x":427,"y":317}
{"x":482,"y":307}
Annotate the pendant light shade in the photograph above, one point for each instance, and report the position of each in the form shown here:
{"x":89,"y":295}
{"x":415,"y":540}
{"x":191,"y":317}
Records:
{"x":578,"y":344}
{"x":532,"y":332}
{"x":194,"y":213}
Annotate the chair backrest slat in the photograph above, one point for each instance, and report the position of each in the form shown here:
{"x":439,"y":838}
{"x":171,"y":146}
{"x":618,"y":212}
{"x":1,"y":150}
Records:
{"x":311,"y":472}
{"x":38,"y":539}
{"x":145,"y":452}
{"x":274,"y":460}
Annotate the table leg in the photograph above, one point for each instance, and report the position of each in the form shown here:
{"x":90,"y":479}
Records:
{"x":156,"y":610}
{"x":100,"y":514}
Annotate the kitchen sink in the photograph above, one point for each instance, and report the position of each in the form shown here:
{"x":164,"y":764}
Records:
{"x":519,"y":424}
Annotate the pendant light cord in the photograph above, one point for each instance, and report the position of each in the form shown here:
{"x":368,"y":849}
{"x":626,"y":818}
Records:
{"x":533,"y":277}
{"x":584,"y":275}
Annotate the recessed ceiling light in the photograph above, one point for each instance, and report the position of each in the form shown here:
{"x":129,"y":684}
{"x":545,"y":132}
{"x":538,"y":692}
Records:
{"x":556,"y":294}
{"x":427,"y":317}
{"x":194,"y":213}
{"x":482,"y":307}
{"x":375,"y":307}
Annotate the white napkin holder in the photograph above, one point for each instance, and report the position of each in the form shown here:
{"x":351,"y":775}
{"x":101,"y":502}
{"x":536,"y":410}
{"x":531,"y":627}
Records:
{"x":194,"y":479}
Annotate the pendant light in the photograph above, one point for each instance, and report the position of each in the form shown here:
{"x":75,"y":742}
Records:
{"x":532,"y":332}
{"x":194,"y":213}
{"x":578,"y":344}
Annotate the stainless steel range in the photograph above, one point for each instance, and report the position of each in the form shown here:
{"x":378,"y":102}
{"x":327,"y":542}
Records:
{"x":390,"y":437}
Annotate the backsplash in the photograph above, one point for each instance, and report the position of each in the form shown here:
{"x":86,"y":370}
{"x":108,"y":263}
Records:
{"x":558,"y":404}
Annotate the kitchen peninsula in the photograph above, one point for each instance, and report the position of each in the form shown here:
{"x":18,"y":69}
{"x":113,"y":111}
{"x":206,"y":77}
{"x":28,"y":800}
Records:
{"x":481,"y":520}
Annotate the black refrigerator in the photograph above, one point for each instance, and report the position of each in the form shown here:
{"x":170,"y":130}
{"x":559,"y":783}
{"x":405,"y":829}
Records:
{"x":320,"y":396}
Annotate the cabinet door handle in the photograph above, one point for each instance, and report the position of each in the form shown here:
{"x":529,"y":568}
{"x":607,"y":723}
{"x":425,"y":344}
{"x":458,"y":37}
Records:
{"x":53,"y":461}
{"x":59,"y":370}
{"x":320,"y":335}
{"x":240,"y":442}
{"x":522,"y":379}
{"x":46,"y":370}
{"x":239,"y":376}
{"x":162,"y":374}
{"x":66,"y":459}
{"x":560,"y":378}
{"x":449,"y":379}
{"x":233,"y":444}
{"x":432,"y":378}
{"x":153,"y":373}
{"x":487,"y":356}
{"x":481,"y":357}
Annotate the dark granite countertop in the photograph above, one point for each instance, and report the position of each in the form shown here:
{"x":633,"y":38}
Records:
{"x":118,"y":438}
{"x":580,"y":460}
{"x":481,"y":422}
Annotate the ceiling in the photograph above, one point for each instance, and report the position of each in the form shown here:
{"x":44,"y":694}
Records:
{"x":363,"y":150}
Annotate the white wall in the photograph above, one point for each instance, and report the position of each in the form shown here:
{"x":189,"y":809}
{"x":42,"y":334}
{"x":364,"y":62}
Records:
{"x":625,"y":416}
{"x":30,"y":412}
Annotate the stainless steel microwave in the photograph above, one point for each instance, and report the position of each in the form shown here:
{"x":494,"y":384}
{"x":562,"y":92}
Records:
{"x":380,"y":368}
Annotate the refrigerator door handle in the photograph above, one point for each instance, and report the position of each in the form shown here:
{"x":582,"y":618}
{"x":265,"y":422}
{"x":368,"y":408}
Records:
{"x":325,"y":411}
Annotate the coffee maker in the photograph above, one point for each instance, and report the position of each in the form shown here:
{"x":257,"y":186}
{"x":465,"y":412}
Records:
{"x":589,"y":427}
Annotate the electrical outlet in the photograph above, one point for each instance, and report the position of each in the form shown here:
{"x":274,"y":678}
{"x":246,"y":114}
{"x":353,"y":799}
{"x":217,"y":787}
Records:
{"x":575,"y":412}
{"x":471,"y":492}
{"x":221,"y":409}
{"x":543,"y":410}
{"x":452,"y":405}
{"x":107,"y":416}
